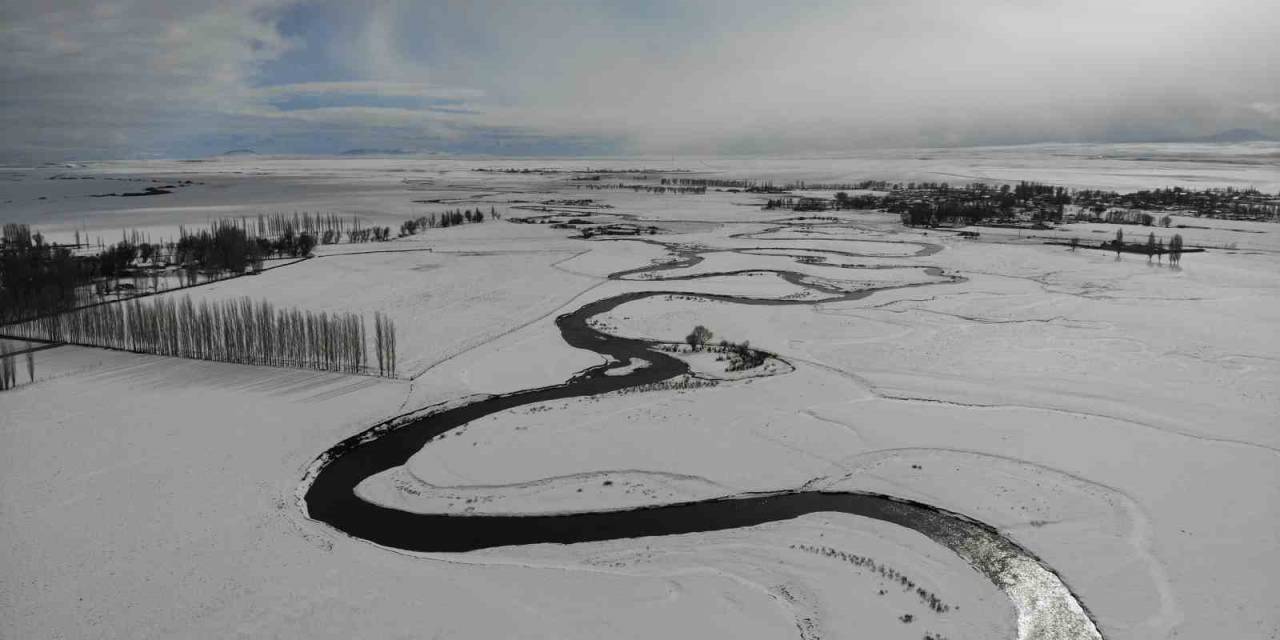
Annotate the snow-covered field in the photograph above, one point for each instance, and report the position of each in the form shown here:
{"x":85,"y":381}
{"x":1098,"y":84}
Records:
{"x":1117,"y":418}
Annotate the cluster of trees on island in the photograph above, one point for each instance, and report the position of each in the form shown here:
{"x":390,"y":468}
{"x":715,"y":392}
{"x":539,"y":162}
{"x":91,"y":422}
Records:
{"x":241,"y":330}
{"x":1153,"y":247}
{"x":740,"y":355}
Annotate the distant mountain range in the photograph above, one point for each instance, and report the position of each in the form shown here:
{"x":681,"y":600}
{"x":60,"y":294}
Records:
{"x":1237,"y":135}
{"x":375,"y":152}
{"x":349,"y":152}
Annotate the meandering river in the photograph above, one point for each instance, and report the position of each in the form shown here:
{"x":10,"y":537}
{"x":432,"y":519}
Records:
{"x":1046,"y":608}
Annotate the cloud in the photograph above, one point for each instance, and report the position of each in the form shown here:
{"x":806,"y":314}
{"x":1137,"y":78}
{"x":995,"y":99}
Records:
{"x":368,"y":87}
{"x":104,"y":79}
{"x":1270,"y":111}
{"x":922,"y":73}
{"x":147,"y":77}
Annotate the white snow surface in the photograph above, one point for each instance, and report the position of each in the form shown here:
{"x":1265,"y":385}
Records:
{"x":1115,"y":417}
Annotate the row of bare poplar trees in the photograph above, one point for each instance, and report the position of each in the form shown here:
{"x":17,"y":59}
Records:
{"x":384,"y":343}
{"x":242,"y":331}
{"x":7,"y":377}
{"x":8,"y":368}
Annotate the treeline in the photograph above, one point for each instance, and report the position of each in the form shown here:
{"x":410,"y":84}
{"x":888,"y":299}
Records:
{"x":862,"y":201}
{"x":943,"y":202}
{"x":449,"y":218}
{"x":370,"y":234}
{"x":316,"y":224}
{"x":922,"y":201}
{"x":647,"y":188}
{"x":634,"y":175}
{"x":954,"y":210}
{"x":225,"y":245}
{"x":932,"y":204}
{"x":839,"y":186}
{"x":36,"y":278}
{"x":1229,"y":202}
{"x":322,"y":228}
{"x":241,"y":331}
{"x":754,"y":186}
{"x":1123,"y":216}
{"x":234,"y":245}
{"x":325,"y":228}
{"x":581,"y":202}
{"x":587,"y":170}
{"x":19,"y":236}
{"x":841,"y":201}
{"x":1023,"y":191}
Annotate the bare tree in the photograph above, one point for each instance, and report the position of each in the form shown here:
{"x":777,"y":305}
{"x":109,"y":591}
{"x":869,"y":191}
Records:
{"x":385,"y":344}
{"x":1175,"y":249}
{"x":6,"y":367}
{"x":389,"y":334}
{"x":698,"y":337}
{"x":379,"y":342}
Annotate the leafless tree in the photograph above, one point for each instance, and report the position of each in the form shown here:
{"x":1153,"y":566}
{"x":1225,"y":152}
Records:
{"x":698,"y":337}
{"x":6,"y":368}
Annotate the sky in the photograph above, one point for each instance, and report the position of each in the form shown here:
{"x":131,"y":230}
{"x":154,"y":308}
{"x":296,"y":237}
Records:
{"x":191,"y":78}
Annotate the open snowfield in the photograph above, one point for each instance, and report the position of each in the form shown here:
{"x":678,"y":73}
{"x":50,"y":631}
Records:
{"x":1116,"y":418}
{"x":59,"y":198}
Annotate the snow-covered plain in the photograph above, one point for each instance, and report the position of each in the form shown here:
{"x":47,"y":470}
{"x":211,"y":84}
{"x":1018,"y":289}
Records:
{"x":1116,"y":418}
